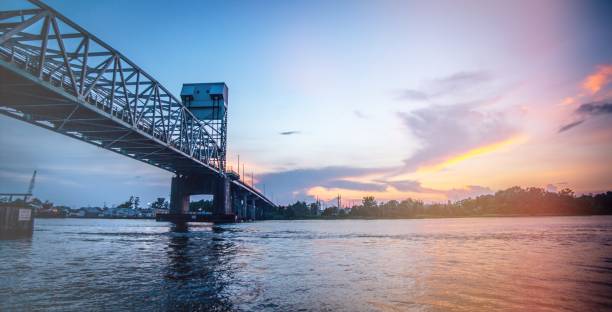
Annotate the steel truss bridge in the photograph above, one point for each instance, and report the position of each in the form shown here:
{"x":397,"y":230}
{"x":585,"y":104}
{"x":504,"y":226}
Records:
{"x":56,"y":75}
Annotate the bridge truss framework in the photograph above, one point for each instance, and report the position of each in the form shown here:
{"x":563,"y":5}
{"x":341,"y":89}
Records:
{"x":58,"y":76}
{"x":62,"y":55}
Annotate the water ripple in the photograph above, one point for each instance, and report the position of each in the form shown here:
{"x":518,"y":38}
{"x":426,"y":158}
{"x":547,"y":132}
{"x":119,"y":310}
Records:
{"x":507,"y":264}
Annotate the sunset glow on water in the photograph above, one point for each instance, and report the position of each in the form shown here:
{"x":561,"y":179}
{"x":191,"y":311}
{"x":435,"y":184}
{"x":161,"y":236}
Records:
{"x":482,"y":264}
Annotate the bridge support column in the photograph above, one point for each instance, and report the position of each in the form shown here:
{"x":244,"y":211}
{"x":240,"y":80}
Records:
{"x":184,"y":186}
{"x":252,"y":210}
{"x":237,"y":205}
{"x":179,"y":195}
{"x":244,"y":206}
{"x":221,"y":199}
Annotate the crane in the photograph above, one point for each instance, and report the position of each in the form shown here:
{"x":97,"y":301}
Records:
{"x":31,"y":187}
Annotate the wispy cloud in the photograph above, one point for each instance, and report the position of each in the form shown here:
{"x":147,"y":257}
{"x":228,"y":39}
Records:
{"x":589,"y":110}
{"x":454,"y":84}
{"x":327,"y":182}
{"x":447,"y":132}
{"x":407,"y":185}
{"x":415,"y":95}
{"x":460,"y":123}
{"x":359,"y":114}
{"x":570,"y":125}
{"x":289,"y":132}
{"x":352,"y":185}
{"x":461,"y":79}
{"x":294,"y":184}
{"x":451,"y":194}
{"x":477,"y":151}
{"x":595,"y":108}
{"x":468,"y":191}
{"x":423,"y":193}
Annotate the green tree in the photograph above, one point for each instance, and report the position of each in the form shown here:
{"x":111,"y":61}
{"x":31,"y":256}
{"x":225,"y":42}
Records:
{"x":328,"y":212}
{"x":127,"y":204}
{"x":368,"y":202}
{"x":566,"y":192}
{"x":159,"y":203}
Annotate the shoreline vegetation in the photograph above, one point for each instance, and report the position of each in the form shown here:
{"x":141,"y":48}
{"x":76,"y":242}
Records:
{"x":512,"y":202}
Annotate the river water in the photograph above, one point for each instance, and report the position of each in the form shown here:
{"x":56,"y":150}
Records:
{"x":512,"y":264}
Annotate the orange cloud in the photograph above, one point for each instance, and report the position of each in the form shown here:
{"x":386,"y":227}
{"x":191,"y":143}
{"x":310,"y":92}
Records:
{"x":354,"y":196}
{"x":599,"y":79}
{"x":473,"y":153}
{"x":568,"y":101}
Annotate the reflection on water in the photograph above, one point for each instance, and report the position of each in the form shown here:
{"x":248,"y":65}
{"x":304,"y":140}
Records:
{"x":192,"y":271}
{"x":349,"y":265}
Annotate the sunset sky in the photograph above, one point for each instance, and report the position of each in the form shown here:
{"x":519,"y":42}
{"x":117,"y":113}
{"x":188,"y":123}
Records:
{"x":436,"y":100}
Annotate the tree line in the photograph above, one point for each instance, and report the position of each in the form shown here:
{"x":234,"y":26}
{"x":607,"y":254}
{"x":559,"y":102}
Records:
{"x":514,"y":201}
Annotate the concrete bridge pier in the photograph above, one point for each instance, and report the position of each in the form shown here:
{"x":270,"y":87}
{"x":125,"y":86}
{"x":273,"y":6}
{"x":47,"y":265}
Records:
{"x":235,"y":203}
{"x":251,"y":209}
{"x":221,"y":197}
{"x":238,"y":205}
{"x":179,"y":195}
{"x":243,"y":207}
{"x":185,"y":186}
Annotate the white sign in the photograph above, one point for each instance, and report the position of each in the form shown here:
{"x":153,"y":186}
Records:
{"x":25,"y":214}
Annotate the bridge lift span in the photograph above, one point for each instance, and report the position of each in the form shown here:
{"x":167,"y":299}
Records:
{"x":56,"y":75}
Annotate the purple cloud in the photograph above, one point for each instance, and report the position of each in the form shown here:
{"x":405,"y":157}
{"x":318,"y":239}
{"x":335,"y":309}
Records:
{"x":595,"y":108}
{"x":454,"y":84}
{"x":452,"y":194}
{"x":589,"y":110}
{"x":460,"y":120}
{"x":570,"y":125}
{"x":469,"y":191}
{"x":445,"y":131}
{"x":293,"y":185}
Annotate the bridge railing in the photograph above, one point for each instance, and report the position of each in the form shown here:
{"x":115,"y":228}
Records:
{"x":50,"y":47}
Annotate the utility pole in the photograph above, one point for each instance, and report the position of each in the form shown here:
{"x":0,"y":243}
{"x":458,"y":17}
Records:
{"x":252,"y":185}
{"x":238,"y":168}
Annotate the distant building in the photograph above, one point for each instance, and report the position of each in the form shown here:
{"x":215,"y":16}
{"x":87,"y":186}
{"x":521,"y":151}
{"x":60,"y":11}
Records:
{"x":161,"y":211}
{"x":125,"y":213}
{"x":147,"y":213}
{"x":88,"y":212}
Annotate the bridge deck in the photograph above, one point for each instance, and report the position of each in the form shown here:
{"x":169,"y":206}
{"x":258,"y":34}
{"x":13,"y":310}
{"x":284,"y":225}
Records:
{"x":37,"y":102}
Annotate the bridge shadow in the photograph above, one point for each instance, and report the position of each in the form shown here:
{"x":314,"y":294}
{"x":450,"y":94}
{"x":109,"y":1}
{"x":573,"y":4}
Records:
{"x":198,"y":271}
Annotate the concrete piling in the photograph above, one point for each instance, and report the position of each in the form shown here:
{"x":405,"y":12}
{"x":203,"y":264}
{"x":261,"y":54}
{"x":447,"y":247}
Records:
{"x":16,"y":221}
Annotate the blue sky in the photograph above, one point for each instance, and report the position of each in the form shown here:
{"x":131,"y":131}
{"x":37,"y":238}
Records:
{"x":392,"y":98}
